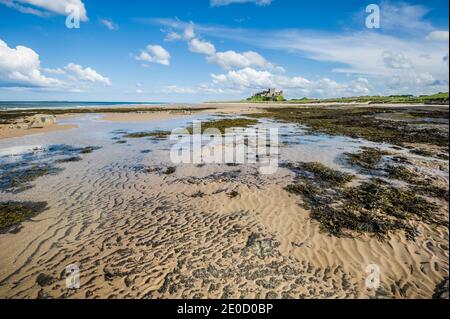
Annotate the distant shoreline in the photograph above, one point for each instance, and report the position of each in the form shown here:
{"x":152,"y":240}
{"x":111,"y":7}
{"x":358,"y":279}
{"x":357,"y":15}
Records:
{"x":132,"y":114}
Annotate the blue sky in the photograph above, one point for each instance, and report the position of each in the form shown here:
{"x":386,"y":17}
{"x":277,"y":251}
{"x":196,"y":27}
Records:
{"x":200,"y":50}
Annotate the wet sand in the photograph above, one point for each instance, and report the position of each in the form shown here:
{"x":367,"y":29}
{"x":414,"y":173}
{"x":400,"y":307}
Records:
{"x":211,"y":231}
{"x":6,"y":132}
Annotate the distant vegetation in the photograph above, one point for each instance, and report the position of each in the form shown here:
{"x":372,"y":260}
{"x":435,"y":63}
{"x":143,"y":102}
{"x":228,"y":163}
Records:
{"x":439,"y":98}
{"x":266,"y":99}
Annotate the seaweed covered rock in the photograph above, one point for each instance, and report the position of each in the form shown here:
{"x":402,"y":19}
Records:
{"x":12,"y":214}
{"x":442,"y":290}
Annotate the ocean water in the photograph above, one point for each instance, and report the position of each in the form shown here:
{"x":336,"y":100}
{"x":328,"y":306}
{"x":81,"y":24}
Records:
{"x":17,"y":105}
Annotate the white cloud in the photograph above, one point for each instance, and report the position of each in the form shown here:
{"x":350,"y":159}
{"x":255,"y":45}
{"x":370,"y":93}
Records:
{"x":200,"y":89}
{"x":173,"y":36}
{"x":46,"y":7}
{"x":395,"y":60}
{"x":109,"y":24}
{"x":202,"y":47}
{"x":378,"y":56}
{"x":86,"y":74}
{"x":189,"y":32}
{"x":248,"y":77}
{"x":438,"y":36}
{"x":57,"y":71}
{"x":296,"y":86}
{"x":154,"y":54}
{"x":219,"y":3}
{"x":403,"y":16}
{"x":226,"y":60}
{"x":231,"y":59}
{"x":397,"y":53}
{"x":21,"y":67}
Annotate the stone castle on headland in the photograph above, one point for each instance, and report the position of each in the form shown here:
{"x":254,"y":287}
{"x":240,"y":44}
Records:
{"x":270,"y":93}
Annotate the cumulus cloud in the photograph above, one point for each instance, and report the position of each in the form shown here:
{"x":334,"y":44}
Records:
{"x":220,"y":3}
{"x":108,"y":23}
{"x":173,"y":36}
{"x":228,"y":59}
{"x":232,"y":59}
{"x":154,"y":54}
{"x":46,"y":7}
{"x":21,"y":67}
{"x":256,"y":79}
{"x":442,"y":36}
{"x":394,"y":61}
{"x":200,"y":89}
{"x":202,"y":47}
{"x":188,"y":33}
{"x":86,"y":74}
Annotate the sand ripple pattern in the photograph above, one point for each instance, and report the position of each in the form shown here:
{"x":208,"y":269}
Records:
{"x":136,"y":234}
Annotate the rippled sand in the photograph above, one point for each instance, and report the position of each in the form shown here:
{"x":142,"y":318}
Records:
{"x":137,"y":233}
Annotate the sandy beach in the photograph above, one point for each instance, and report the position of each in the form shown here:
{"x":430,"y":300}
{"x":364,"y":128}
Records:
{"x":138,"y":226}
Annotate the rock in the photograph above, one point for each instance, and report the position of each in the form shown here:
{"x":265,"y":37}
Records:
{"x":271,"y":295}
{"x":44,"y":280}
{"x":35,"y":121}
{"x":442,"y":290}
{"x":41,"y":121}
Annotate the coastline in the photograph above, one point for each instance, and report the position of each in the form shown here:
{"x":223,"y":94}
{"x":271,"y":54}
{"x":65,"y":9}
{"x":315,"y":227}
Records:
{"x":169,"y":112}
{"x":140,"y":226}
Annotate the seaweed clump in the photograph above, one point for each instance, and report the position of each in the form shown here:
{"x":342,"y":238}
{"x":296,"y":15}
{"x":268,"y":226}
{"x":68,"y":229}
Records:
{"x":360,"y":123}
{"x":89,"y":149}
{"x":223,"y":124}
{"x":19,"y":171}
{"x":322,"y":173}
{"x":401,"y":173}
{"x":373,"y":207}
{"x":12,"y":214}
{"x":18,"y":179}
{"x":155,"y":134}
{"x":69,"y":160}
{"x":368,"y":158}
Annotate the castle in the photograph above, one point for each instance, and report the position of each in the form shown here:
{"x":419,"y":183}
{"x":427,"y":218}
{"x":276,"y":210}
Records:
{"x":270,"y":93}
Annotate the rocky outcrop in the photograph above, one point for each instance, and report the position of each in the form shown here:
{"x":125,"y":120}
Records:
{"x":442,"y":290}
{"x":35,"y":121}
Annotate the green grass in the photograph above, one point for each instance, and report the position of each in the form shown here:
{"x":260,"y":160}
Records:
{"x":259,"y":99}
{"x":439,"y":98}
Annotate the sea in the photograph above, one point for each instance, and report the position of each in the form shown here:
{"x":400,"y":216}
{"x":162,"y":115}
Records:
{"x":18,"y":105}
